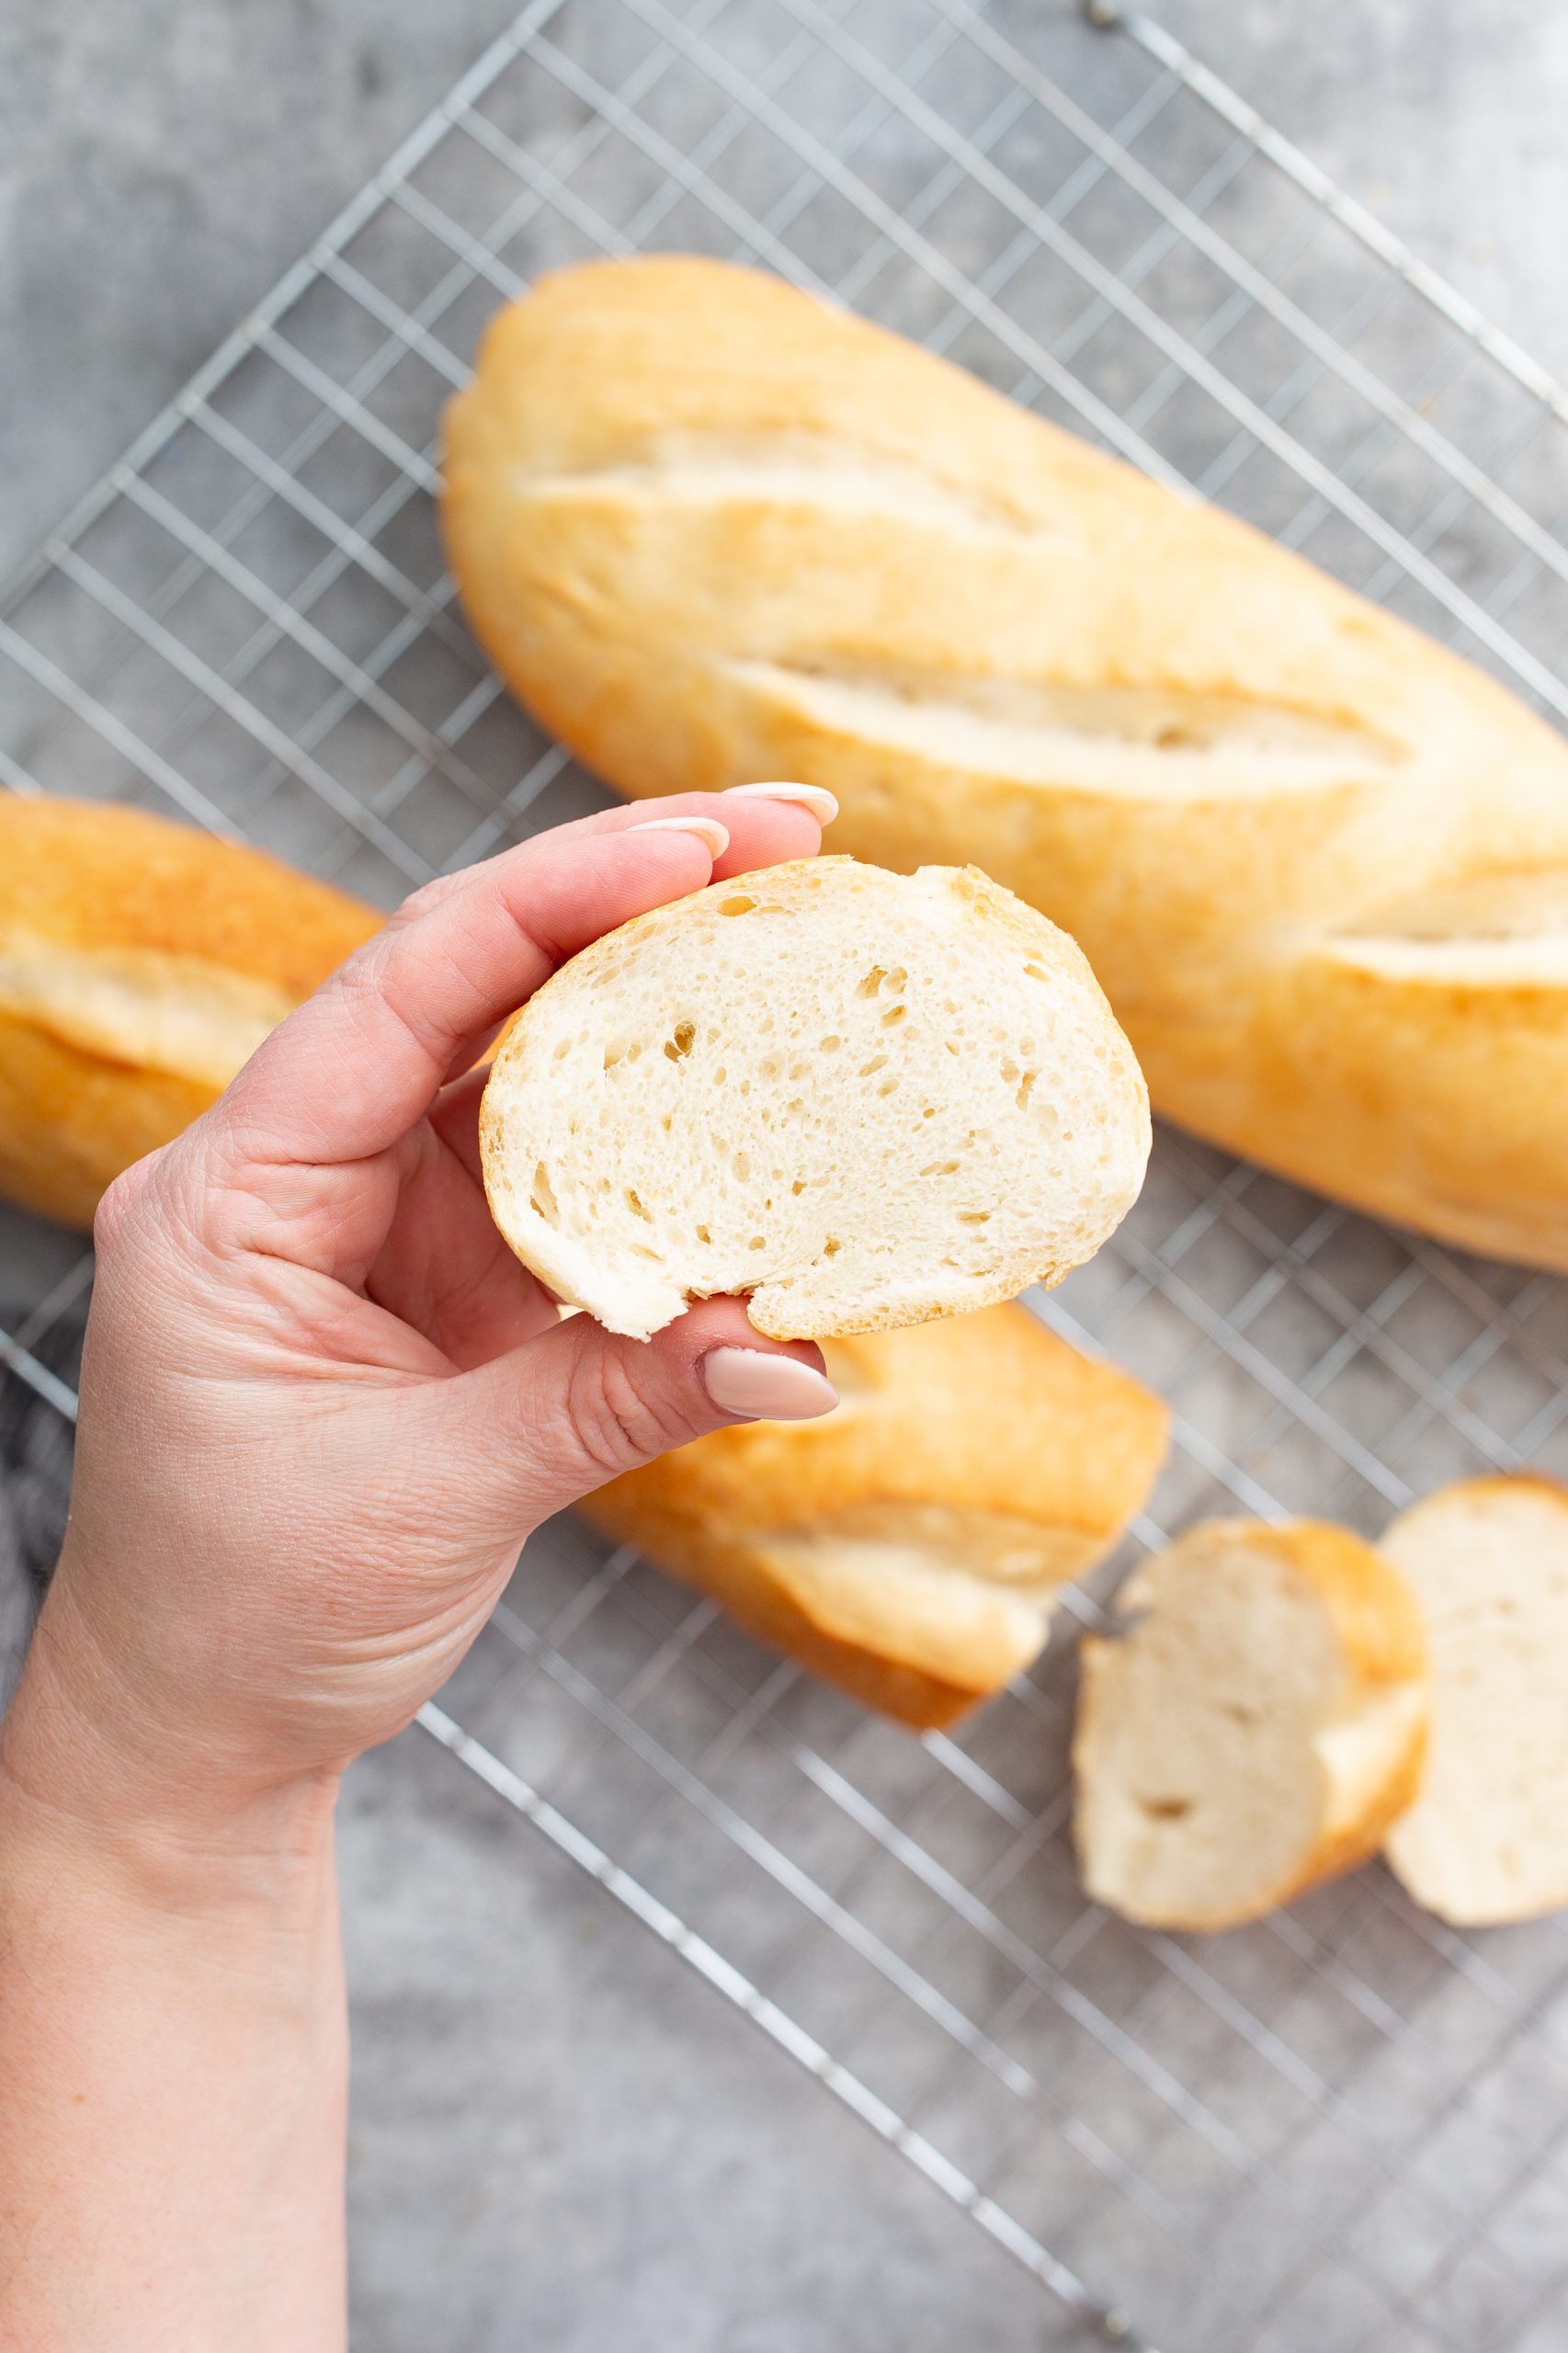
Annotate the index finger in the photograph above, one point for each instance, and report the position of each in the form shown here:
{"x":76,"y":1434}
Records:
{"x":355,"y":1066}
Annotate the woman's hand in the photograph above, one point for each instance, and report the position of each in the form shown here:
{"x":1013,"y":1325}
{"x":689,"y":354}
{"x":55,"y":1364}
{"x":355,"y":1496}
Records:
{"x":322,"y":1402}
{"x":321,"y":1406}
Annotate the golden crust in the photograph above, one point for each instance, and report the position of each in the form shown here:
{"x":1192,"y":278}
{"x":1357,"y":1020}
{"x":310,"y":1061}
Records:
{"x":683,"y":619}
{"x":987,"y":1417}
{"x":110,"y":893}
{"x":1378,"y":1628}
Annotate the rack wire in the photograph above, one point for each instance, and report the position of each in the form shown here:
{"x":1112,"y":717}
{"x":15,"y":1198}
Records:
{"x":1345,"y":2127}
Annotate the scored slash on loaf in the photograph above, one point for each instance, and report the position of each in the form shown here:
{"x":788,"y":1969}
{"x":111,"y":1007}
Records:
{"x":710,"y":529}
{"x":859,"y":1099}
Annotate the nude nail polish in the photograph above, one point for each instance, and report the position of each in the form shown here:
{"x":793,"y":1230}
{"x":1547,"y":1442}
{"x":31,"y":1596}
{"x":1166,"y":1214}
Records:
{"x":768,"y":1388}
{"x":814,"y":796}
{"x":714,"y":837}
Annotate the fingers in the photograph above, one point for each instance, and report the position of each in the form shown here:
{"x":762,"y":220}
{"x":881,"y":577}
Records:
{"x":580,"y":1406}
{"x":349,"y":1073}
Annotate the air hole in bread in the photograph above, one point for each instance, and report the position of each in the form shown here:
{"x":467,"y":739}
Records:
{"x":758,"y":1242}
{"x":877,"y":1062}
{"x":1115,"y":739}
{"x":894,"y":1013}
{"x":829,"y":1045}
{"x":703,"y":1234}
{"x":542,"y":1198}
{"x":680,"y":1043}
{"x":741,"y":906}
{"x":872,"y":981}
{"x":635,"y":1206}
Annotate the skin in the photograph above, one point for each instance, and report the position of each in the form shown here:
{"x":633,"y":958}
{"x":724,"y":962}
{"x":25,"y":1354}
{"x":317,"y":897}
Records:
{"x":321,"y":1406}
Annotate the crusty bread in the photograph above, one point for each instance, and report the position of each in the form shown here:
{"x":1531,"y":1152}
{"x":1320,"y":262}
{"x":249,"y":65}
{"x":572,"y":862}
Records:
{"x":908,"y":1545}
{"x":1487,"y":1838}
{"x":141,"y":962}
{"x":712,"y":531}
{"x":859,"y":1098}
{"x":1255,"y":1728}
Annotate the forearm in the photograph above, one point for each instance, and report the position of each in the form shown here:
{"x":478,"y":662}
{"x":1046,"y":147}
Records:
{"x":173,"y":2077}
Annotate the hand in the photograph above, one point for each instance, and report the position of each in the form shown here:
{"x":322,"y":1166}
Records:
{"x":322,"y":1403}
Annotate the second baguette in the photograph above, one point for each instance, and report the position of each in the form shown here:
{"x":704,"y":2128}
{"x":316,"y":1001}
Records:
{"x":908,"y":1546}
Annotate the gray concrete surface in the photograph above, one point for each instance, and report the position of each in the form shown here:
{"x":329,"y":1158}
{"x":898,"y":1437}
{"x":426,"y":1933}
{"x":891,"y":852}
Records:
{"x":561,"y":2138}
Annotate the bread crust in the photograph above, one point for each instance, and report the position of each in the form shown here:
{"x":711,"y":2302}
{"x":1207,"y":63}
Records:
{"x":104,"y":911}
{"x":825,"y":553}
{"x":987,"y":1417}
{"x":1378,"y":1630}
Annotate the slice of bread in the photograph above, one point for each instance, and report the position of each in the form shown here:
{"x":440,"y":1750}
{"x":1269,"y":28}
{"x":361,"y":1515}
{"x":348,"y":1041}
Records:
{"x":909,"y":1545}
{"x":1487,"y":1840}
{"x":1255,"y":1730}
{"x":860,"y":1099}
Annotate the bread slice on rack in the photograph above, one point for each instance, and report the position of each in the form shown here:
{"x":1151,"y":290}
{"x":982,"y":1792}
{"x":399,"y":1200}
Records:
{"x":908,"y":1546}
{"x":1487,"y":1838}
{"x":713,"y":529}
{"x":1255,"y":1728}
{"x":141,"y":963}
{"x":859,"y":1098}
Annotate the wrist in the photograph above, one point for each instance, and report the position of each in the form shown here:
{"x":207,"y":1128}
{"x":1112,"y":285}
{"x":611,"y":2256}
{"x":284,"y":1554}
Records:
{"x":142,"y":1818}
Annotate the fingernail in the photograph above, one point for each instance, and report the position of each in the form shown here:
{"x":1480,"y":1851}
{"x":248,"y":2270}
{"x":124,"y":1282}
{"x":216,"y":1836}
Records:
{"x":714,"y":837}
{"x":814,"y":796}
{"x":772,"y":1389}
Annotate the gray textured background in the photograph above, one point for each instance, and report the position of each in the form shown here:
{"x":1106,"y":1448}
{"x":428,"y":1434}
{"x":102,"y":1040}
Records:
{"x":560,"y":2137}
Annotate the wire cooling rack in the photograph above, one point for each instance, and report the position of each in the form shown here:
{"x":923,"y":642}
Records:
{"x":1347,"y":2127}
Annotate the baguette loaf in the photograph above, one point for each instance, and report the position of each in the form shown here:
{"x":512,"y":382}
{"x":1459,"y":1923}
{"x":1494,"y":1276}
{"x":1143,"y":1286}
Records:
{"x":859,"y":1098}
{"x":1255,"y":1730}
{"x":141,"y":963}
{"x":1487,"y":1838}
{"x":908,"y":1545}
{"x":712,"y":531}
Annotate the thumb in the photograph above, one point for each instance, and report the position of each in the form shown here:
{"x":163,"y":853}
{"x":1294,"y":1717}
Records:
{"x":578,"y":1405}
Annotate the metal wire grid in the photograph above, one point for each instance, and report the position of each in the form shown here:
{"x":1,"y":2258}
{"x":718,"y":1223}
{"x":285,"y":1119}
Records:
{"x":1344,"y":2128}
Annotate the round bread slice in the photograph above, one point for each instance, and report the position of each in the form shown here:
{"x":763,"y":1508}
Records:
{"x":1487,"y":1840}
{"x":1257,"y":1728}
{"x":859,"y":1099}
